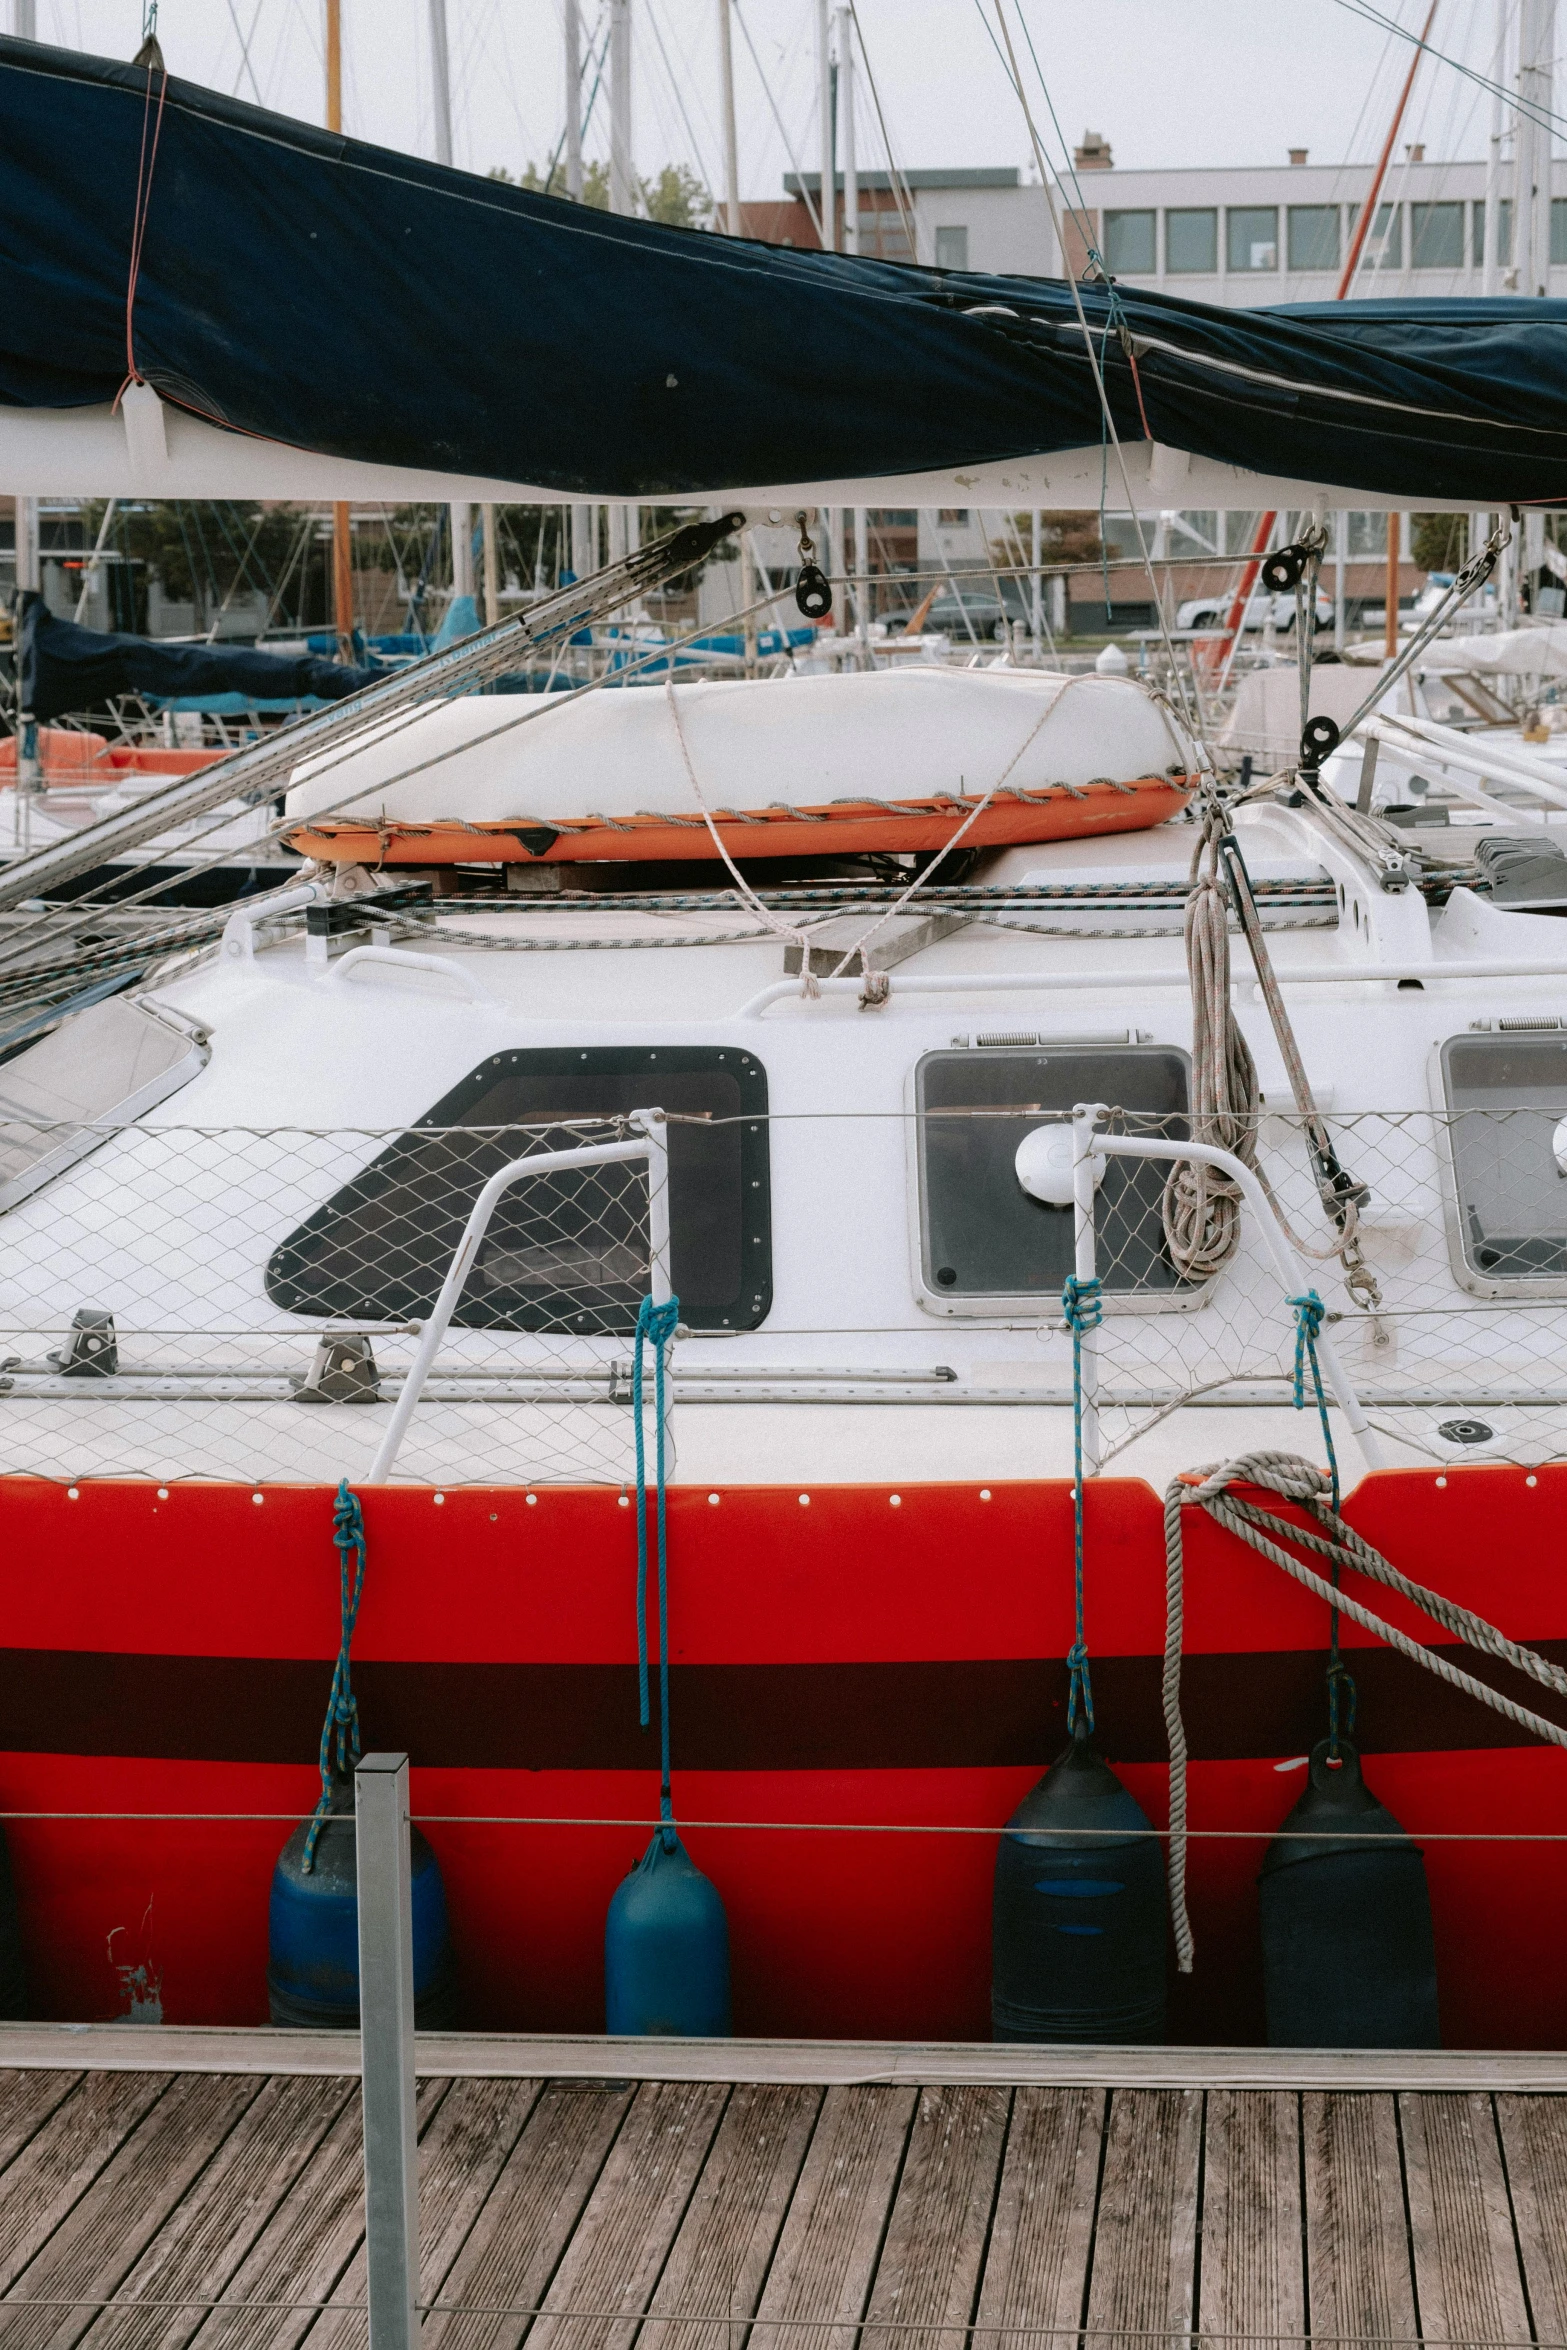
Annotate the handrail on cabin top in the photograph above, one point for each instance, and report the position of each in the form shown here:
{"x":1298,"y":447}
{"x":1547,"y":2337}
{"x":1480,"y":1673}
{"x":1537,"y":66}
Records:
{"x":651,"y":1143}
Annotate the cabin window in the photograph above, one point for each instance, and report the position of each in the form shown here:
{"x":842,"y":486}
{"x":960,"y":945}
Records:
{"x":566,"y":1251}
{"x":97,"y":1072}
{"x":1507,"y":1143}
{"x":982,"y":1236}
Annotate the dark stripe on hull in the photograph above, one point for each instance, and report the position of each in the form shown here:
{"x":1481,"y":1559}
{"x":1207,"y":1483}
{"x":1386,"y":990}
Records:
{"x":857,"y":1716}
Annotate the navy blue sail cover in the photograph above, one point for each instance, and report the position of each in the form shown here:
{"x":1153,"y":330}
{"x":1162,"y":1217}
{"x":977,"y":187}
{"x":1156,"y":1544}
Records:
{"x":337,"y":297}
{"x":62,"y":667}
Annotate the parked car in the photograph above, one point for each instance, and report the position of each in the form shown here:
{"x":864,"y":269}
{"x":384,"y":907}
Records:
{"x":1212,"y":611}
{"x":981,"y":614}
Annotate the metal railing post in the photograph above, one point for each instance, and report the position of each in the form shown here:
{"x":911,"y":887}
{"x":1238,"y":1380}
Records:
{"x":386,"y":2027}
{"x":1084,"y":1118}
{"x":650,"y":1145}
{"x":1293,"y":1277}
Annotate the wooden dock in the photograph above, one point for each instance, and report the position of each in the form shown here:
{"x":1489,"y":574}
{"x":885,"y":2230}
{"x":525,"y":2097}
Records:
{"x":164,"y":2188}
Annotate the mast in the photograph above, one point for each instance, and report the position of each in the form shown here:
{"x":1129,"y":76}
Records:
{"x":440,"y":81}
{"x":1532,"y":146}
{"x":582,"y":556}
{"x":574,"y":99}
{"x":342,"y":521}
{"x":851,"y":169}
{"x":441,"y":103}
{"x":726,"y":67}
{"x":622,"y":185}
{"x":1491,"y":276}
{"x":624,"y":521}
{"x":829,"y":194}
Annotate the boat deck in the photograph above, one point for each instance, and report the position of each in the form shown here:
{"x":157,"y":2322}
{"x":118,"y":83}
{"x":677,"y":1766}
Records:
{"x":895,"y":2199}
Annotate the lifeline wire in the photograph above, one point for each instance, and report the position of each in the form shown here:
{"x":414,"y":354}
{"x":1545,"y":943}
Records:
{"x":342,"y":1707}
{"x":655,"y":1327}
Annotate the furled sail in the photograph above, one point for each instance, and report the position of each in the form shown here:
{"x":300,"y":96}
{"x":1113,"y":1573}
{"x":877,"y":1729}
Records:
{"x":64,"y":668}
{"x":315,"y":294}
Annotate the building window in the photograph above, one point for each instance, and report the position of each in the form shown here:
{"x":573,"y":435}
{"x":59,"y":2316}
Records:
{"x":1385,"y":245}
{"x":952,"y":517}
{"x":1313,"y":236}
{"x":952,"y":248}
{"x":1191,"y":243}
{"x":1368,"y":535}
{"x":884,"y":235}
{"x":1504,"y":234}
{"x":1436,"y":236}
{"x":1558,"y":229}
{"x":1252,"y":237}
{"x":1131,"y":245}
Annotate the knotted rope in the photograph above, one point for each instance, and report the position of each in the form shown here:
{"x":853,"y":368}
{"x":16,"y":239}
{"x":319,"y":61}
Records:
{"x":1202,"y":1206}
{"x":342,"y":1707}
{"x":1298,"y":1481}
{"x":655,"y":1328}
{"x":1082,"y":1304}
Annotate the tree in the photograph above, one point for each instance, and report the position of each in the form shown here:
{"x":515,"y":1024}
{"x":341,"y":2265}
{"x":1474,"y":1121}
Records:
{"x":677,"y":197}
{"x":1438,"y":542}
{"x":1063,"y":538}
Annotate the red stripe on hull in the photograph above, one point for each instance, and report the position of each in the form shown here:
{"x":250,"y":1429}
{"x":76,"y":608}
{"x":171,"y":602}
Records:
{"x":864,"y":1935}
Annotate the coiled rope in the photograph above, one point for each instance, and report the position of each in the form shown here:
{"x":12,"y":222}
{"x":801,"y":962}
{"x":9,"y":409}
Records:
{"x":1201,"y":1204}
{"x":655,"y":1327}
{"x":342,"y":1707}
{"x":1082,"y":1304}
{"x":1298,"y":1481}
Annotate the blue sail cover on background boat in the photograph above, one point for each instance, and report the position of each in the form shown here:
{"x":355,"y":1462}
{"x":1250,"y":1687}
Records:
{"x":333,"y":296}
{"x":62,"y":668}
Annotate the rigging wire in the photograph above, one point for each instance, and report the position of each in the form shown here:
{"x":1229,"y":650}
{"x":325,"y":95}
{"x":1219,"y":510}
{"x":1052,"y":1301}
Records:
{"x":1190,"y":718}
{"x":900,"y":190}
{"x":814,"y":211}
{"x":1543,"y":116}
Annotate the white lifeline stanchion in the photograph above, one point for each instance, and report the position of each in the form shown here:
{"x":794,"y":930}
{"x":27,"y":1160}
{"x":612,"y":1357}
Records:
{"x":1084,"y":1151}
{"x":386,"y":2027}
{"x":1292,"y":1274}
{"x":651,"y":1144}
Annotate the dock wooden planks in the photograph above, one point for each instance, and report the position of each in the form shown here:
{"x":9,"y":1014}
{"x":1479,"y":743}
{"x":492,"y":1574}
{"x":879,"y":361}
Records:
{"x":225,"y":2211}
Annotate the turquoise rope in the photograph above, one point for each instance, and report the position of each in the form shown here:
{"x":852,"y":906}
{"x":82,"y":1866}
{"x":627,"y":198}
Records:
{"x":1310,"y":1314}
{"x":655,"y":1327}
{"x":1082,"y":1304}
{"x":342,"y":1707}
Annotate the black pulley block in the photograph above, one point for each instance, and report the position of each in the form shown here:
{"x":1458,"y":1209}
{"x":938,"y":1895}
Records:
{"x":1284,"y":570}
{"x":813,"y":592}
{"x":1318,"y":738}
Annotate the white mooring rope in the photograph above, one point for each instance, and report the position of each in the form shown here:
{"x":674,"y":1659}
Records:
{"x":1297,"y":1480}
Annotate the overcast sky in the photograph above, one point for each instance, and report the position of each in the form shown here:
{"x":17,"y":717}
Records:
{"x":1167,"y":81}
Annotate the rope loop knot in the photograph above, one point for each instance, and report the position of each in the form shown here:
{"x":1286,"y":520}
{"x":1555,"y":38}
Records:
{"x":1310,"y":1314}
{"x":340,"y":1738}
{"x":1082,"y":1304}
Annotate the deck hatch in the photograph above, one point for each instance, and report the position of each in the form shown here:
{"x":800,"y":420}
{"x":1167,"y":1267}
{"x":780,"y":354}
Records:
{"x":569,"y":1251}
{"x":981,"y":1235}
{"x":1507,"y":1098}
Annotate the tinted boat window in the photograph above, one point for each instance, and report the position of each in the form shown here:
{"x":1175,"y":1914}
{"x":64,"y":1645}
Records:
{"x":1511,"y":1194}
{"x":566,"y":1251}
{"x":982,"y":1234}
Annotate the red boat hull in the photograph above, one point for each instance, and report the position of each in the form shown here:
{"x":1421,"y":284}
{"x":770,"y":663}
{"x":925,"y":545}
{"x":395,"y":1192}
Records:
{"x":839,"y":1666}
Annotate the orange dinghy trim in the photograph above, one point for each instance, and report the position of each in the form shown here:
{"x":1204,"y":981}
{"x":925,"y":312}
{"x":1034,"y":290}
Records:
{"x":1062,"y":811}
